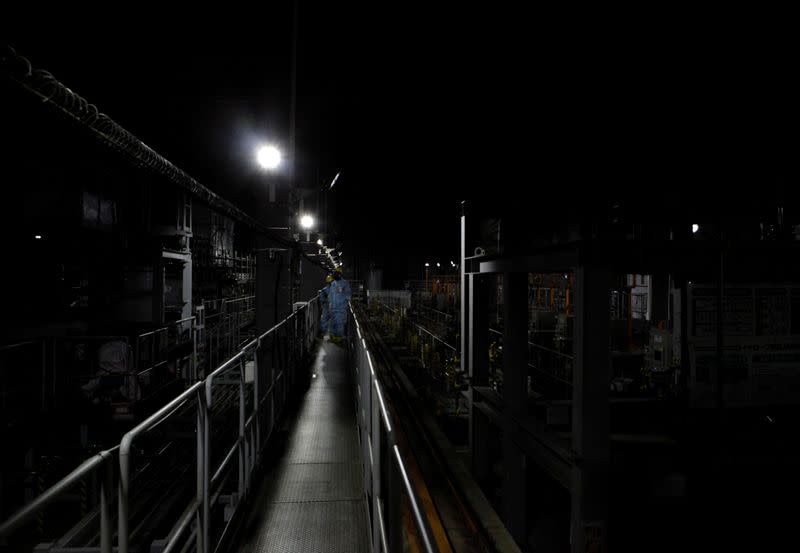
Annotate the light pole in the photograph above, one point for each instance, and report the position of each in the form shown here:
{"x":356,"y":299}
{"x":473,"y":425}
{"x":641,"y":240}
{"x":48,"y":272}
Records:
{"x":269,"y":158}
{"x":307,"y":223}
{"x":427,"y":265}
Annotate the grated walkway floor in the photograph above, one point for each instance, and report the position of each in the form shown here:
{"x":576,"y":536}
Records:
{"x":313,"y":498}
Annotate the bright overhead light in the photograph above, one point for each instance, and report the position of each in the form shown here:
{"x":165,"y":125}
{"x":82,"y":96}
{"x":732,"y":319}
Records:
{"x":427,"y":264}
{"x":306,"y":221}
{"x":695,"y":228}
{"x":269,"y":157}
{"x":319,"y":241}
{"x":438,"y":264}
{"x":38,"y":236}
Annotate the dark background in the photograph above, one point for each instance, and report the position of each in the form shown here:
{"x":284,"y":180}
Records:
{"x":420,"y":109}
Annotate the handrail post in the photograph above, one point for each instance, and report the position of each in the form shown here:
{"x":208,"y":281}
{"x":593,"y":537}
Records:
{"x":200,"y":514}
{"x":124,"y":486}
{"x":106,"y":485}
{"x":242,"y":461}
{"x":206,"y":407}
{"x":256,"y":405}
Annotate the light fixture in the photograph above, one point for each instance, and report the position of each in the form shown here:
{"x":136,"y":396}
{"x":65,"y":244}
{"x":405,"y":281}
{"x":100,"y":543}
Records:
{"x":319,"y":241}
{"x":269,"y":157}
{"x":38,"y":236}
{"x":438,"y":264}
{"x":427,"y":264}
{"x":306,"y":221}
{"x":695,"y":228}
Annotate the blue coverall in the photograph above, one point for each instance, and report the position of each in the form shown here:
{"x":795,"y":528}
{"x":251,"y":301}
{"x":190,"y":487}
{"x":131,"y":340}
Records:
{"x":325,"y":316}
{"x":338,"y":292}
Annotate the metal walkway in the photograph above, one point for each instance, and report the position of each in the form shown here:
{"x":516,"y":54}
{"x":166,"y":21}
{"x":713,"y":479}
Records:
{"x":313,"y":498}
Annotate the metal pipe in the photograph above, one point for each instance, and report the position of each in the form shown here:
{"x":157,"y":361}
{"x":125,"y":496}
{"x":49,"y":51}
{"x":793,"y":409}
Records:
{"x":218,"y":473}
{"x":106,"y":494}
{"x":256,"y":403}
{"x":206,"y":408}
{"x":18,"y":344}
{"x":242,"y":462}
{"x":179,"y":528}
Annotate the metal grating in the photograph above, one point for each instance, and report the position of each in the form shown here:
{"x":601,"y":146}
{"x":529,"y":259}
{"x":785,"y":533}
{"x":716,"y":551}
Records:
{"x":316,"y":482}
{"x":313,"y":500}
{"x":320,"y":441}
{"x":324,"y":527}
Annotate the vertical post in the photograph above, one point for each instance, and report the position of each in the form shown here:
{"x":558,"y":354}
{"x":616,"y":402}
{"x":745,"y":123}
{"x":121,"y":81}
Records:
{"x":106,"y":491}
{"x":193,"y":364}
{"x":590,"y":409}
{"x":515,"y":394}
{"x":256,"y":406}
{"x":464,"y":292}
{"x":205,"y":406}
{"x":122,"y":500}
{"x":200,"y":489}
{"x":478,"y":348}
{"x":242,"y":462}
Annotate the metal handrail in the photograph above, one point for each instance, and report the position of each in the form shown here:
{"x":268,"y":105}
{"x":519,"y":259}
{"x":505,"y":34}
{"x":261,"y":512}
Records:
{"x":538,"y":346}
{"x":5,"y":347}
{"x":369,"y":381}
{"x":248,"y":444}
{"x":204,"y":407}
{"x":64,"y":485}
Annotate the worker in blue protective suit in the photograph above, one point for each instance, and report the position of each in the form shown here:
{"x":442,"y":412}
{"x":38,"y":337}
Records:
{"x":338,"y":294}
{"x":324,"y":303}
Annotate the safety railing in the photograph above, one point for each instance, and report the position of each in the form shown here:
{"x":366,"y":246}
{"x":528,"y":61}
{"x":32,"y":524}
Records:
{"x":384,"y":464}
{"x":552,"y":374}
{"x":255,"y":384}
{"x":433,"y":315}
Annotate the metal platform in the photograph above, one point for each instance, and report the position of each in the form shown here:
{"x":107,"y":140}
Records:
{"x":313,"y":498}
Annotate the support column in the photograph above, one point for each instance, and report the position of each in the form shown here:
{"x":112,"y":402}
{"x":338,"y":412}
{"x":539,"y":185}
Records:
{"x":515,"y":394}
{"x":478,"y":348}
{"x":590,"y":410}
{"x":464,"y":294}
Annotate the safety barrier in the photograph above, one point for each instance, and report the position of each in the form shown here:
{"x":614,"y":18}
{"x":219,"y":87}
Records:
{"x":261,"y":394}
{"x":384,"y":464}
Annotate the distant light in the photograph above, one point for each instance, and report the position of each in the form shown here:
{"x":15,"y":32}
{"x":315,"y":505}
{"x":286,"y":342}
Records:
{"x":453,"y":263}
{"x":306,"y":221}
{"x":38,"y":236}
{"x":269,"y":157}
{"x":438,"y":264}
{"x":695,"y":228}
{"x":319,"y":241}
{"x":427,"y":264}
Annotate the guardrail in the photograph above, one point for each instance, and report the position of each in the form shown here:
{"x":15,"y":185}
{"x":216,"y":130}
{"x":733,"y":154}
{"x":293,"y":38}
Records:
{"x":383,"y":462}
{"x":261,"y":394}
